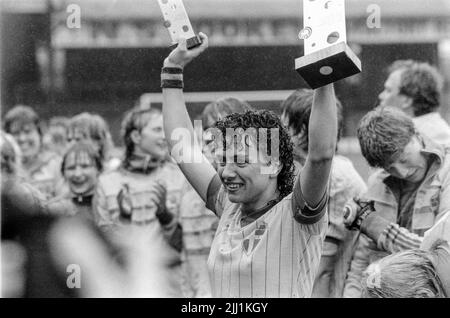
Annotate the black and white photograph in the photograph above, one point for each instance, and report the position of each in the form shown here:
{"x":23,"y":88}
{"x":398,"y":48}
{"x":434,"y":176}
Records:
{"x":236,"y":150}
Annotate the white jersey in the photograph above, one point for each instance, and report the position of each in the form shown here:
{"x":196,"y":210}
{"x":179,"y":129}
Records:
{"x":274,"y":256}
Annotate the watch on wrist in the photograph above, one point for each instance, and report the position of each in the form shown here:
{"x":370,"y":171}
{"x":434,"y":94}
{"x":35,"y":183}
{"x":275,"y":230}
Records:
{"x":365,"y":208}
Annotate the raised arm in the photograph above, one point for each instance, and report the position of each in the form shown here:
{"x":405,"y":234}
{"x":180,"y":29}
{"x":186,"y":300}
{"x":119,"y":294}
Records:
{"x":177,"y":124}
{"x":322,"y":145}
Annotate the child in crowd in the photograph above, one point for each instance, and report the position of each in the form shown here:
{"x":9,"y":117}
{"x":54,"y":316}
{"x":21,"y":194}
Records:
{"x":142,"y":196}
{"x":80,"y":167}
{"x":93,"y":128}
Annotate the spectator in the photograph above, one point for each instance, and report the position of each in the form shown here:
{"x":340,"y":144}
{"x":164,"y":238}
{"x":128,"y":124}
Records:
{"x":414,"y":273}
{"x":93,"y":128}
{"x":41,"y":252}
{"x":55,"y":137}
{"x":41,"y":168}
{"x":143,"y":194}
{"x":80,"y":167}
{"x":25,"y":260}
{"x":415,"y":88}
{"x":11,"y":155}
{"x":410,"y":194}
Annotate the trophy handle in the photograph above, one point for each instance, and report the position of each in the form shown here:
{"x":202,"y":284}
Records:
{"x":190,"y":43}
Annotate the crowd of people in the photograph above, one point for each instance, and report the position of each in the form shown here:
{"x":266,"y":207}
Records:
{"x":252,"y":206}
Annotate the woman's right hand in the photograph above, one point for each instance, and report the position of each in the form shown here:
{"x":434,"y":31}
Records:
{"x":181,"y":56}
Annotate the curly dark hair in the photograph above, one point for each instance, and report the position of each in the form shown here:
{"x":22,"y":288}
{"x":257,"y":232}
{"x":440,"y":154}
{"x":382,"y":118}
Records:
{"x":266,"y":119}
{"x":421,"y":82}
{"x":223,"y":107}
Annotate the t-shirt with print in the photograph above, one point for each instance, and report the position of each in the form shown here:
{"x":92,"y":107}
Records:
{"x":277,"y":255}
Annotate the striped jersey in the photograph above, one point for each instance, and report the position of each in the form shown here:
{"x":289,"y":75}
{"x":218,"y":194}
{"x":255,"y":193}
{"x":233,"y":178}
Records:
{"x":274,"y":256}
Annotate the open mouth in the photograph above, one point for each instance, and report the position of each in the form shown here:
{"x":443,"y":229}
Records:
{"x":233,"y":187}
{"x":77,"y":183}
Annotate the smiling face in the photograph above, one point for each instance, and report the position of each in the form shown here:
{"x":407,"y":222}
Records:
{"x":80,"y":173}
{"x":27,"y":137}
{"x":151,"y":139}
{"x":242,"y":177}
{"x":411,"y":165}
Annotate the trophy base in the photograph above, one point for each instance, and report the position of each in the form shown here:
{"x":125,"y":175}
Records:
{"x":190,"y":43}
{"x":328,"y":65}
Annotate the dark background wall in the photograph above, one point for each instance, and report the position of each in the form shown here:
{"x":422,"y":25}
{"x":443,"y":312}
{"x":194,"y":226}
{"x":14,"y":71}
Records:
{"x":20,"y":35}
{"x":109,"y":81}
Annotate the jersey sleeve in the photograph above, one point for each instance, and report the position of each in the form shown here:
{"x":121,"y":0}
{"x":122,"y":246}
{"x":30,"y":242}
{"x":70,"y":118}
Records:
{"x":303,"y":213}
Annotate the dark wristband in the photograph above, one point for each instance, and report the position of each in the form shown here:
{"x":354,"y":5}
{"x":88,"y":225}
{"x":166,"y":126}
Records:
{"x":366,"y":209}
{"x":172,"y":84}
{"x":172,"y":70}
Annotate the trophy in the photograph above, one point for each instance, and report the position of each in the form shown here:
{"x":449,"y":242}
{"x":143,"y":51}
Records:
{"x":177,"y":22}
{"x":327,"y":57}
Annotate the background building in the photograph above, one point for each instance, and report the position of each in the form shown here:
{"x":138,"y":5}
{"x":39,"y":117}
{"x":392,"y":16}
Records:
{"x":116,"y":55}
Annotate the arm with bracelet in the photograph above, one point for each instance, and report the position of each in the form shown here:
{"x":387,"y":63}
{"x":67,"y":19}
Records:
{"x":176,"y":118}
{"x":358,"y":215}
{"x":310,"y":191}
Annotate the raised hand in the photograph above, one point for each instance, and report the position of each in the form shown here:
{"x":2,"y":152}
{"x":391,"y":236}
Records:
{"x":181,"y":56}
{"x":160,"y":198}
{"x":161,"y":193}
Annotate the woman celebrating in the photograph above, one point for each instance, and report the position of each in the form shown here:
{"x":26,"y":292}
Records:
{"x":81,"y":167}
{"x":270,"y":235}
{"x":40,"y":167}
